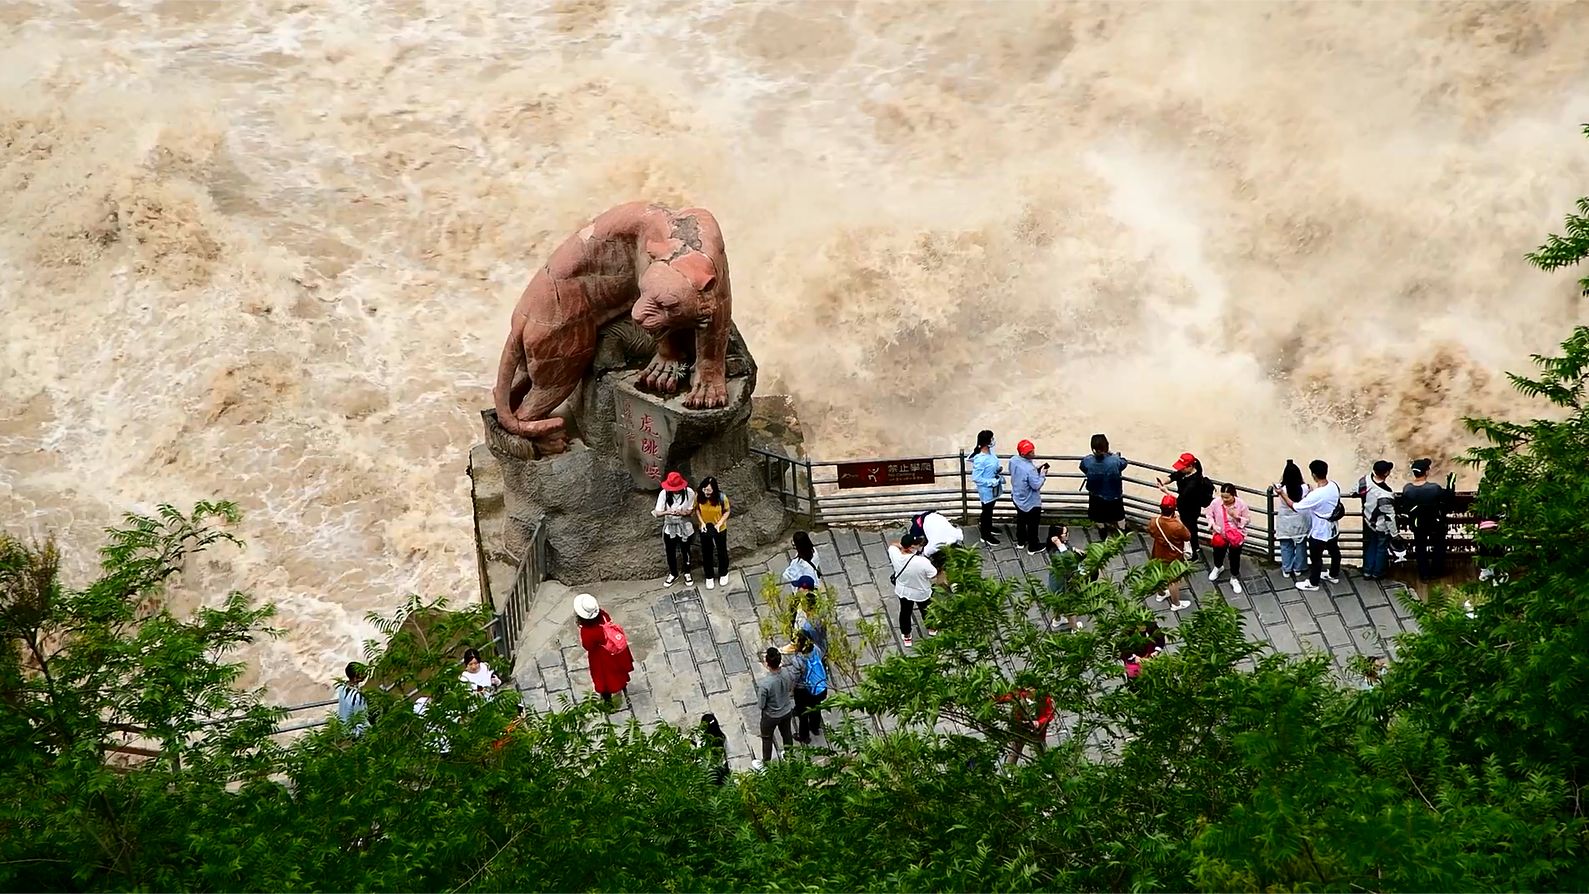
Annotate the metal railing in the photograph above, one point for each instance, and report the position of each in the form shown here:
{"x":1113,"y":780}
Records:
{"x":509,"y":623}
{"x":810,"y":488}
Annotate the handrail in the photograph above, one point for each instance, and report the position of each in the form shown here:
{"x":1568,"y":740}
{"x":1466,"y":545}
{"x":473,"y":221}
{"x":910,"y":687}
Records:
{"x":808,"y":488}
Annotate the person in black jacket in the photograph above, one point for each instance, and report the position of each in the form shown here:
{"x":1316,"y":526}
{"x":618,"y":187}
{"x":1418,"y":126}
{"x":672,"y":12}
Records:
{"x":1193,"y":493}
{"x":1424,"y":502}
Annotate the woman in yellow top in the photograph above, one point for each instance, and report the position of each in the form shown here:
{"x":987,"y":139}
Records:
{"x":712,"y":511}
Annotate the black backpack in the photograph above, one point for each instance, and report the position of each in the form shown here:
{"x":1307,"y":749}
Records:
{"x":918,"y":526}
{"x":1205,"y":493}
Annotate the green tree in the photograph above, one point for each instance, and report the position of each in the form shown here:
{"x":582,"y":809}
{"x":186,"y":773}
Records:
{"x":87,"y":673}
{"x":1571,"y":249}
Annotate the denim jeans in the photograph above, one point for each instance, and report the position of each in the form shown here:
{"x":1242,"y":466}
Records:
{"x":1376,"y":553}
{"x":1293,"y":555}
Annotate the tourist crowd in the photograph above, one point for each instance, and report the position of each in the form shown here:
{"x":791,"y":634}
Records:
{"x":794,"y":679}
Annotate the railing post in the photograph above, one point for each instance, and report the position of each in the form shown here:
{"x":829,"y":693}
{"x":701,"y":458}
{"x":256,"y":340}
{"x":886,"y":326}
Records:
{"x":811,"y":490}
{"x":1274,"y":546}
{"x":965,"y":502}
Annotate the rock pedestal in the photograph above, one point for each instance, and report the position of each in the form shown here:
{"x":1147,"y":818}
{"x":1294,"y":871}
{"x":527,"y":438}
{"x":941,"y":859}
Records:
{"x":596,"y":499}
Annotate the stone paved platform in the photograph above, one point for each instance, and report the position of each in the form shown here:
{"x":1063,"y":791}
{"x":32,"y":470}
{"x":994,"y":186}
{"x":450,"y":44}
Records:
{"x":696,"y":649}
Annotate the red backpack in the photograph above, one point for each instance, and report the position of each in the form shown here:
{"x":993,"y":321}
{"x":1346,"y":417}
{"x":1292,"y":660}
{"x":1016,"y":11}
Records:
{"x":614,"y":641}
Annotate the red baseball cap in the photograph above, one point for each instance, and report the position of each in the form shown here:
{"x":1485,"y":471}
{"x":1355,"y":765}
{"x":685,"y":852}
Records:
{"x":1025,"y":447}
{"x":1185,"y":460}
{"x":1168,"y":502}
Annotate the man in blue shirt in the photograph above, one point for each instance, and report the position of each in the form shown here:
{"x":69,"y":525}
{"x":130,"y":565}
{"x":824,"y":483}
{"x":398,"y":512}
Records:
{"x":350,"y":701}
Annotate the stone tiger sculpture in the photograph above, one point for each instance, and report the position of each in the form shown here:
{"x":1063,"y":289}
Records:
{"x":667,"y":270}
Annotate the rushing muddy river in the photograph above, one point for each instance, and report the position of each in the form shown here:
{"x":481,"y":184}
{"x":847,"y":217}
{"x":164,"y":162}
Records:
{"x":266,"y":250}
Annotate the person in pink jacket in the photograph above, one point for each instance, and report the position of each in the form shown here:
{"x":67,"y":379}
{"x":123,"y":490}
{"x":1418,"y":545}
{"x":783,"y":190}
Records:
{"x":1227,"y":518}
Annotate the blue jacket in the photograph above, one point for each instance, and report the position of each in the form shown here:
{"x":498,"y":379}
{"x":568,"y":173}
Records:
{"x":986,"y":476}
{"x":816,"y":679}
{"x":1026,"y":484}
{"x":1103,"y":475}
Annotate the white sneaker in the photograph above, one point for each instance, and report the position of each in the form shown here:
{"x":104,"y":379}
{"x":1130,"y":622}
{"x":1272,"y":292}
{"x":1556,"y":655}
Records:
{"x":1177,"y":606}
{"x":708,"y":583}
{"x":1163,"y":595}
{"x":688,"y":581}
{"x":1235,"y":586}
{"x":1331,"y":578}
{"x":757,"y":765}
{"x":723,"y":582}
{"x":668,"y":581}
{"x":1306,"y":585}
{"x":1076,"y":625}
{"x":1214,"y":575}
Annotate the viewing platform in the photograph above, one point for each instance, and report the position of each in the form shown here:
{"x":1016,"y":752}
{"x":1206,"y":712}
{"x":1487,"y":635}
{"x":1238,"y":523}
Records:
{"x":697,"y":650}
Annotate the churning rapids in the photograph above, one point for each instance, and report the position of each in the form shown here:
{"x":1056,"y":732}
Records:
{"x":266,"y":249}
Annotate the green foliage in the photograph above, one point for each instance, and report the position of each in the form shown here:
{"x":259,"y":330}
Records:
{"x":845,"y":653}
{"x":88,"y":673}
{"x":1571,"y":249}
{"x":1222,"y":766}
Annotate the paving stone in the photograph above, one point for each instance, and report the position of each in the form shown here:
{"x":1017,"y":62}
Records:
{"x":1311,"y":642}
{"x":874,"y":549}
{"x":691,"y":613}
{"x":713,"y":680}
{"x":733,"y":658}
{"x":576,"y":659}
{"x":1384,"y":621}
{"x":742,"y":601}
{"x":1351,"y":610}
{"x":1292,"y":594}
{"x":1281,"y":637}
{"x":527,"y":676}
{"x":1299,"y":618}
{"x":1257,"y":583}
{"x":847,"y":542}
{"x":642,"y":704}
{"x":537,"y":700}
{"x":1334,"y":631}
{"x":671,"y":632}
{"x":1410,"y":625}
{"x":556,"y":677}
{"x":701,"y":645}
{"x":552,"y":658}
{"x":680,"y":664}
{"x":1372,"y":595}
{"x":1367,"y":641}
{"x":1267,"y":608}
{"x":1319,"y":603}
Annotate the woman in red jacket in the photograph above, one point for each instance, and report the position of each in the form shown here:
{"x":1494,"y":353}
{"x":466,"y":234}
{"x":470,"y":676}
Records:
{"x":608,"y":647}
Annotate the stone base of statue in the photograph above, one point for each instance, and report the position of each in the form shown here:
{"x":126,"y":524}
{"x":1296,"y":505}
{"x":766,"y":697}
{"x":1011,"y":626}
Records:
{"x":595,"y":500}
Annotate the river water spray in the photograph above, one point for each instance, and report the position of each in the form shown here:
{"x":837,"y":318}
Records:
{"x":266,"y":250}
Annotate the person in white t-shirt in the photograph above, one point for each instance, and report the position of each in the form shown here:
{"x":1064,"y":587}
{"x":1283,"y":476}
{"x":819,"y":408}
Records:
{"x":940,"y":532}
{"x":914,"y":575}
{"x":1318,"y":507}
{"x":477,"y":675}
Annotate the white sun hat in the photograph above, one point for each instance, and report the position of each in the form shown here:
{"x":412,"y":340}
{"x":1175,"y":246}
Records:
{"x":585,"y":606}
